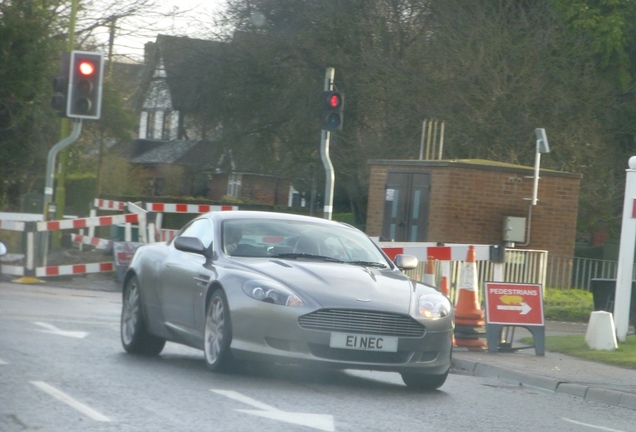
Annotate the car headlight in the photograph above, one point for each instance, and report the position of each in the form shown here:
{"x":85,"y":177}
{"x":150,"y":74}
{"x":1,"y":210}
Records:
{"x":434,"y":306}
{"x":269,"y":292}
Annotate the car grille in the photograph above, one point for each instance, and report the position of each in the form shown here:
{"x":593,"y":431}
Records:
{"x":363,"y":322}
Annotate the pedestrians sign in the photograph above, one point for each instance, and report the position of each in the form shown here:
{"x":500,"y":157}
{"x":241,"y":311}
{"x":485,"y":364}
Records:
{"x":514,"y":304}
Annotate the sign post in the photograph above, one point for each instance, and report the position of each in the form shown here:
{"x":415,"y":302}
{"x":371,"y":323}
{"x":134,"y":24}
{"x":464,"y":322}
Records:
{"x":510,"y":305}
{"x":626,"y":255}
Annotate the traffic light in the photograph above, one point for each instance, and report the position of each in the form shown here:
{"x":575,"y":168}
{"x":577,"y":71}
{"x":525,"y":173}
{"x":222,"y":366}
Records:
{"x":60,"y":87}
{"x":85,"y":85}
{"x":332,"y":115}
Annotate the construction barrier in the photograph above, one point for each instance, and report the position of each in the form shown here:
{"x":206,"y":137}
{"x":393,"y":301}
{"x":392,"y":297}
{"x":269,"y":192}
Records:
{"x":156,"y":211}
{"x":452,"y":265}
{"x":186,"y":208}
{"x":160,"y":208}
{"x":147,"y":216}
{"x":29,"y":272}
{"x":109,"y":204}
{"x":98,"y":243}
{"x":74,"y":269}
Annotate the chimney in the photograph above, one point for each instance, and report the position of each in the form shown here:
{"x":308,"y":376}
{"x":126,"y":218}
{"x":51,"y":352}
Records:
{"x":149,"y":52}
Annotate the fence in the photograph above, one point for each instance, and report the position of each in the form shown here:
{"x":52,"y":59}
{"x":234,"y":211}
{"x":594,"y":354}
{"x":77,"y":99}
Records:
{"x":569,"y":275}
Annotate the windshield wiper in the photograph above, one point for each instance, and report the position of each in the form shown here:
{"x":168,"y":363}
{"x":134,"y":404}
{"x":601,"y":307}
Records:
{"x":307,"y":255}
{"x":367,"y":264}
{"x":329,"y":259}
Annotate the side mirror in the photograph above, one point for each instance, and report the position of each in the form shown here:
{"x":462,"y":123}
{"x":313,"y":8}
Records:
{"x":405,"y":262}
{"x":3,"y":249}
{"x":193,"y":245}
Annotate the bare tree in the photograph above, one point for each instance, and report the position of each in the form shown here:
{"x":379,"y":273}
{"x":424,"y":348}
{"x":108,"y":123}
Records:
{"x":493,"y":71}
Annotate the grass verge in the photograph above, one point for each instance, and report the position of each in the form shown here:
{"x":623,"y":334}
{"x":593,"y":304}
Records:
{"x":575,"y":346}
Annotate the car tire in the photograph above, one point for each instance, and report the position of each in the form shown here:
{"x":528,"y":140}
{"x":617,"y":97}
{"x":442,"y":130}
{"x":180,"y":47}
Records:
{"x":218,"y":333}
{"x":134,"y":336}
{"x":419,"y":381}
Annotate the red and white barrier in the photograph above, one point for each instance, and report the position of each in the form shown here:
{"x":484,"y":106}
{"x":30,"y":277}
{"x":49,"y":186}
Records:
{"x":102,"y":204}
{"x":424,"y":250}
{"x":148,"y":231}
{"x":90,"y":222}
{"x":167,"y":234}
{"x":159,"y":209}
{"x":444,"y":256}
{"x":99,"y":243}
{"x":155,"y":232}
{"x":74,"y":269}
{"x":12,"y":225}
{"x":186,"y":208}
{"x":30,"y":272}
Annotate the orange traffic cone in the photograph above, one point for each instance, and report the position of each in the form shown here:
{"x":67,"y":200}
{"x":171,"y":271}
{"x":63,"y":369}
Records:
{"x":469,"y":318}
{"x":444,"y":287}
{"x":429,"y":272}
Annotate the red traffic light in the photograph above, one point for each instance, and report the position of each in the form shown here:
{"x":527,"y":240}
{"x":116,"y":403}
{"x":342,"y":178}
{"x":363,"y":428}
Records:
{"x":334,"y":100}
{"x":85,"y":85}
{"x":332,"y":114}
{"x":86,"y":68}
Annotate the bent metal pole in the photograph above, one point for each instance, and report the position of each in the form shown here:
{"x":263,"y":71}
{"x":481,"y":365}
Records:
{"x":324,"y":153}
{"x":50,"y":164}
{"x":49,"y":180}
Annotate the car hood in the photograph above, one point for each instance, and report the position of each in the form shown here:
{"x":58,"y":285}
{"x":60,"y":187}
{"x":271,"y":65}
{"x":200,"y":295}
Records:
{"x":339,"y":285}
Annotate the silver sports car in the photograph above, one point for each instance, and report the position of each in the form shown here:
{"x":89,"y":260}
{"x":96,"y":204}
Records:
{"x":259,"y":286}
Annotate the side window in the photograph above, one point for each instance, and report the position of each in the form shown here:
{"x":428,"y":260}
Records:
{"x":201,"y":229}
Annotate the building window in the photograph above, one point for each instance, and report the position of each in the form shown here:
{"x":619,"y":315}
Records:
{"x":234,"y":185}
{"x":150,"y":125}
{"x":143,"y":125}
{"x":166,"y":126}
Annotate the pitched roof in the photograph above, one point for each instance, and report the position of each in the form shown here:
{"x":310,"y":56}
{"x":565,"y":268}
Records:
{"x":126,"y":79}
{"x":190,"y":66}
{"x":200,"y":154}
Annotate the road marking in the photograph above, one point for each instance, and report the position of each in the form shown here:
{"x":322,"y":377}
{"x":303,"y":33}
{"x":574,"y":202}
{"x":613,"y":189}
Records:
{"x":323,"y":422}
{"x":56,"y":331}
{"x":63,"y":397}
{"x":2,"y":362}
{"x":603,"y":428}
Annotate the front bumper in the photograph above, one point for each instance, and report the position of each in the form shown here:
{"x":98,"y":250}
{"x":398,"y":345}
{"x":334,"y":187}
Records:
{"x":281,"y":339}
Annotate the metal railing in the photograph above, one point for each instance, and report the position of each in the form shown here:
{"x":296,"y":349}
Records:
{"x":570,"y":275}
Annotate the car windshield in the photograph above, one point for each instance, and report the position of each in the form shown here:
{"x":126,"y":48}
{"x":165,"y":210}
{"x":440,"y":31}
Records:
{"x":291,"y":239}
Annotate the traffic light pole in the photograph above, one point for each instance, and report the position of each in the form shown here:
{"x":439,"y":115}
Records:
{"x":50,"y":164}
{"x":50,"y":178}
{"x":324,"y":153}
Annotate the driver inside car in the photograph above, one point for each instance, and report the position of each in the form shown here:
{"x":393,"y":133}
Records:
{"x":232,"y":237}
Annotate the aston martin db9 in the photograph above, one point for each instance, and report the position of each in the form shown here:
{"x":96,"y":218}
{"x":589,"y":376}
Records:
{"x":259,"y":286}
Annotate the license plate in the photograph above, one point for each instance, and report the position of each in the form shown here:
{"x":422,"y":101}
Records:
{"x":363,"y":342}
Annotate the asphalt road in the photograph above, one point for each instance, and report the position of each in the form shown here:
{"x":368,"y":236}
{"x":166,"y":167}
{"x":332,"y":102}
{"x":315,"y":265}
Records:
{"x":62,"y":368}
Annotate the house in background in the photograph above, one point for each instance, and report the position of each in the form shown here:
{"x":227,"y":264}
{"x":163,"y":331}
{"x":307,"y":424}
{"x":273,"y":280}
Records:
{"x":179,"y":149}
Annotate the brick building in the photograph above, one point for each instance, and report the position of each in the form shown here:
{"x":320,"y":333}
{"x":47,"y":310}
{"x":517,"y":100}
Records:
{"x":466,"y":201}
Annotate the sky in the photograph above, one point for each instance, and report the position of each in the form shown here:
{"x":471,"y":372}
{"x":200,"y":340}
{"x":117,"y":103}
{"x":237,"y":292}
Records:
{"x":193,"y":13}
